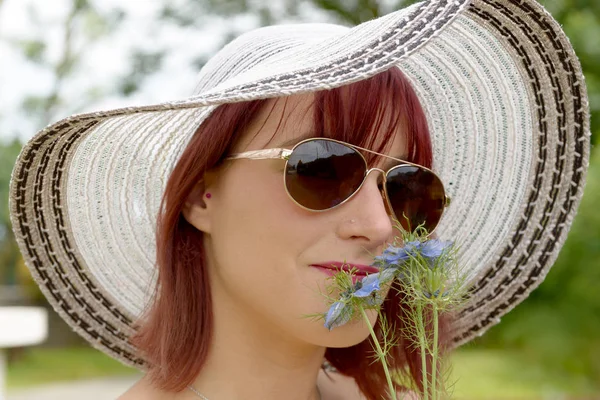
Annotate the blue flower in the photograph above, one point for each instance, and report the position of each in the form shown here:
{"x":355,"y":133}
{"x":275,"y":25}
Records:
{"x":434,"y":248}
{"x":366,"y":289}
{"x":339,"y":313}
{"x":395,"y":256}
{"x":368,"y":285}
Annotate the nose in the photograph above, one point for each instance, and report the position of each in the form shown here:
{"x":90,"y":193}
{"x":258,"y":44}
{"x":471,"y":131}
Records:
{"x":368,"y":209}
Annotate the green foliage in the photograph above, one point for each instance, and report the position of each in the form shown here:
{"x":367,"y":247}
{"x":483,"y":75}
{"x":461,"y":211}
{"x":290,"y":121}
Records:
{"x":82,"y":26}
{"x":144,"y":63}
{"x":358,"y":11}
{"x":9,"y":253}
{"x":12,"y":266}
{"x":39,"y":366}
{"x":8,"y":156}
{"x":509,"y":374}
{"x":227,"y":7}
{"x":181,"y":18}
{"x":479,"y":374}
{"x":582,"y":25}
{"x":33,"y":50}
{"x":36,"y":105}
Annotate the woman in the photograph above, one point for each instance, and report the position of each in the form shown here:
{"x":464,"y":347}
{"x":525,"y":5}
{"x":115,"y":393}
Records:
{"x":166,"y":236}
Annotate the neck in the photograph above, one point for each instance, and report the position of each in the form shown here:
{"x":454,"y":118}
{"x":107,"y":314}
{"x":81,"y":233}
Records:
{"x":251,"y":360}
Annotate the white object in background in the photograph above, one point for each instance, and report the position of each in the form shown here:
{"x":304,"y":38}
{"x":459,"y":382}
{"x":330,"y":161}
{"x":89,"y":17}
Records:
{"x":20,"y":326}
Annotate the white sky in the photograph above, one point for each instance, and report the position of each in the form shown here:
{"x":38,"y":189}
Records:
{"x":103,"y":63}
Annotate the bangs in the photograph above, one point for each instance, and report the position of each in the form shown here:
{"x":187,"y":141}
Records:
{"x":370,"y":113}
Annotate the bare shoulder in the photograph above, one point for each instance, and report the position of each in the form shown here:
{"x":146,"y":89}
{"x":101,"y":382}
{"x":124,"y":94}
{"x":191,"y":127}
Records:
{"x":335,"y":386}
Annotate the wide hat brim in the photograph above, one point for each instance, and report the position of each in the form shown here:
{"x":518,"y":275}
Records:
{"x":507,"y":107}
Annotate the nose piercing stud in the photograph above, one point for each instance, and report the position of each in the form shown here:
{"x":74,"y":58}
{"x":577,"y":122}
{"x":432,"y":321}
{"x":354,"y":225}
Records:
{"x":208,"y":195}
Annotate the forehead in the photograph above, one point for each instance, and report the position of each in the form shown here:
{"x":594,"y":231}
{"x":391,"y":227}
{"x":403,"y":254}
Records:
{"x":284,"y":121}
{"x":280,"y":120}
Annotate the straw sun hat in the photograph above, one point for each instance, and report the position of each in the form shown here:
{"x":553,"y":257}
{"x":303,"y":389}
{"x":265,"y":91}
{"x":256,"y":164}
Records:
{"x":505,"y":100}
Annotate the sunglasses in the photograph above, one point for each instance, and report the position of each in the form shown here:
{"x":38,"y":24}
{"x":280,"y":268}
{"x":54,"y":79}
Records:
{"x":321,"y":174}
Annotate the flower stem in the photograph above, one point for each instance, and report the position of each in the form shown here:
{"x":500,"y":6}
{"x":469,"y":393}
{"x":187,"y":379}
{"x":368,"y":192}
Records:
{"x":388,"y":377}
{"x":422,"y":333}
{"x":435,"y":353}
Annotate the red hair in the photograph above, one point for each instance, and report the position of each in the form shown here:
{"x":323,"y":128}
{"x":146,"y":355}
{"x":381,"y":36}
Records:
{"x":175,"y":334}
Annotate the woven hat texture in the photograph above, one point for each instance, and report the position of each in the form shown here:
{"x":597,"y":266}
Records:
{"x":506,"y":104}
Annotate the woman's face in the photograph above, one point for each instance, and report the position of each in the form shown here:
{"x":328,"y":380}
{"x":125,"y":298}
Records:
{"x":260,"y":245}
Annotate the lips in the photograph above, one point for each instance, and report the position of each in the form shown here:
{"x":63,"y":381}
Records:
{"x":336,"y":266}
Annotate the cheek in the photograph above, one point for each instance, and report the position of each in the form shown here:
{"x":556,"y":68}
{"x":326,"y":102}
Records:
{"x":258,"y":240}
{"x":255,"y":209}
{"x":260,"y":244}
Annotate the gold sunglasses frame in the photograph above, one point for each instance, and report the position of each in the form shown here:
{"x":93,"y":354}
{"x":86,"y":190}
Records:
{"x":284,"y":154}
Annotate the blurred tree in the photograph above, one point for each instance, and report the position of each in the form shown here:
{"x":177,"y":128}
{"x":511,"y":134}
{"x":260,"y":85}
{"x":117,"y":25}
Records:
{"x":355,"y":12}
{"x":82,"y":26}
{"x":9,"y":253}
{"x":143,"y":63}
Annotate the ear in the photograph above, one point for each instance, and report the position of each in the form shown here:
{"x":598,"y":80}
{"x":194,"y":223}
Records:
{"x":196,"y":209}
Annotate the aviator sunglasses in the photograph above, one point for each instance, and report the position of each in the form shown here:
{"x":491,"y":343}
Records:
{"x":321,"y":174}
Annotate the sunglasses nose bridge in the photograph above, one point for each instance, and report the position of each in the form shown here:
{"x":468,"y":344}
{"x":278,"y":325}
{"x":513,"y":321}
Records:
{"x":380,"y":184}
{"x":382,"y":189}
{"x":383,"y":173}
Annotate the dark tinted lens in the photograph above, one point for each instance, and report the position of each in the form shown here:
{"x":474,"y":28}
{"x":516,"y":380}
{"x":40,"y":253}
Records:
{"x":417,"y":194}
{"x":321,"y":174}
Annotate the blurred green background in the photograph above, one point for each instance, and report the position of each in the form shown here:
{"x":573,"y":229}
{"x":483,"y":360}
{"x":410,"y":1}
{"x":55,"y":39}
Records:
{"x":548,"y":347}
